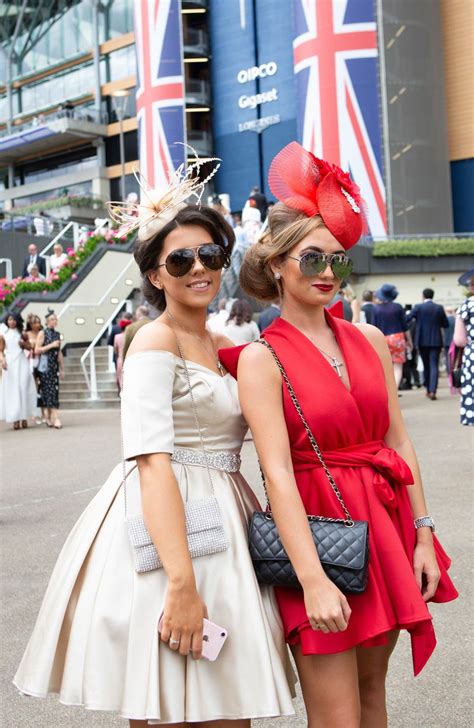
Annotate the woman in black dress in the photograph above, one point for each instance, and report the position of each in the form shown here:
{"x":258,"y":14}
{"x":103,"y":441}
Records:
{"x":50,"y":368}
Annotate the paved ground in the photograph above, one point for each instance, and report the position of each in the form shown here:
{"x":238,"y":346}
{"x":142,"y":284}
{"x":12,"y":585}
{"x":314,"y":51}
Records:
{"x":49,"y":476}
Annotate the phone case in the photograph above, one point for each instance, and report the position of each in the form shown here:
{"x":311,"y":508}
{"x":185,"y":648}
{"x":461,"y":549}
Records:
{"x":213,"y":639}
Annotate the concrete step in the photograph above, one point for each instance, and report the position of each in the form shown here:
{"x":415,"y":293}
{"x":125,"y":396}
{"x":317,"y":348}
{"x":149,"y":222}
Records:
{"x":75,"y":355}
{"x":84,"y":394}
{"x":70,"y":403}
{"x":101,"y":388}
{"x":79,"y":382}
{"x":76,"y":369}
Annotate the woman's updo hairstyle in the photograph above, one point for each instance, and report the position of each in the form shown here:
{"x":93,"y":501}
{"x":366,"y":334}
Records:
{"x":147,"y":253}
{"x":286,"y":228}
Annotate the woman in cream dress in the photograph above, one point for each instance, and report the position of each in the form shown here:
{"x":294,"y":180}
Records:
{"x":96,"y":640}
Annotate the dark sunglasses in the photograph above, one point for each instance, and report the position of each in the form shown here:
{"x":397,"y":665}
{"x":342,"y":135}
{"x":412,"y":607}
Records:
{"x":181,"y":261}
{"x":312,"y":264}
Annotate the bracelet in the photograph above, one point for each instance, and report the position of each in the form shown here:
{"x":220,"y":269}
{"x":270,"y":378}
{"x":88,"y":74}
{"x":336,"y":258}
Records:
{"x":424,"y":521}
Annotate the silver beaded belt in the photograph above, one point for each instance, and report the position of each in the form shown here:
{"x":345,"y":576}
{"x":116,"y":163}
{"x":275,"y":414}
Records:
{"x":224,"y":460}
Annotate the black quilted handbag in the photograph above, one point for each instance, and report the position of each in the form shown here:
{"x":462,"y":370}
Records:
{"x":342,"y":543}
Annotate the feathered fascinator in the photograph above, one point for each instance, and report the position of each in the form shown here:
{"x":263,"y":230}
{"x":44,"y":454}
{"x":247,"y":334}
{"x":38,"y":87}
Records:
{"x":159,"y":206}
{"x":315,"y":187}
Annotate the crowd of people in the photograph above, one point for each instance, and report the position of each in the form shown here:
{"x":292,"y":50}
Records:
{"x":32,"y":366}
{"x":163,"y":577}
{"x":35,"y":267}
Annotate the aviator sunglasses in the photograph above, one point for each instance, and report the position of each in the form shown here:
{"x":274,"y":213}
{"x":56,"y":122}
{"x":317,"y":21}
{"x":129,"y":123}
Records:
{"x":312,"y":264}
{"x":181,"y":261}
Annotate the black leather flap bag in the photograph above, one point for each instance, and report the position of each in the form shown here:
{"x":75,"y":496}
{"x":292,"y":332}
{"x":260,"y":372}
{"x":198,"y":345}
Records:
{"x":342,"y":543}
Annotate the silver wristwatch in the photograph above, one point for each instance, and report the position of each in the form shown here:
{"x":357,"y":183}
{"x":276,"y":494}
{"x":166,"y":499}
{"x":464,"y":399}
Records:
{"x":424,"y":521}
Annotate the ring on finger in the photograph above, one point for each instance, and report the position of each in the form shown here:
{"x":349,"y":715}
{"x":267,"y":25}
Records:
{"x":174,"y":642}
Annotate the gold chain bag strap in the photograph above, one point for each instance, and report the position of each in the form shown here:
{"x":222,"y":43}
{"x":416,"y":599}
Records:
{"x":204,"y":529}
{"x":342,"y":543}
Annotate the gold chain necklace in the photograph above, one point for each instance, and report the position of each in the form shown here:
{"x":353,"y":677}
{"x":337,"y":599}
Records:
{"x":201,"y":342}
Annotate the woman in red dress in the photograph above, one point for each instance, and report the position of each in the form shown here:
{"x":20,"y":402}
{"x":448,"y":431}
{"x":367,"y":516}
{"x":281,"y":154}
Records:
{"x":342,"y":375}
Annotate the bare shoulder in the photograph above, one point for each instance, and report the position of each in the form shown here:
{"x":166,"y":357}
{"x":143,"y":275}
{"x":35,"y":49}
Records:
{"x":373,"y":334}
{"x":378,"y":341}
{"x":220,"y":341}
{"x":155,"y":336}
{"x":256,"y":357}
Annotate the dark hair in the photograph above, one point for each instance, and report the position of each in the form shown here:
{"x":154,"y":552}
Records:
{"x":367,"y":295}
{"x":428,"y":293}
{"x":147,"y":252}
{"x":240,"y":312}
{"x":31,"y":320}
{"x":16,"y":317}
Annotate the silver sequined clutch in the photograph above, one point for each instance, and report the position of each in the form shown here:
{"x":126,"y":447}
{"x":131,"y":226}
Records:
{"x":203,"y":527}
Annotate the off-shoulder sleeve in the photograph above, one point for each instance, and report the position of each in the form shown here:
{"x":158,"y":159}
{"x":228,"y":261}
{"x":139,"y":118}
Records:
{"x":147,"y":412}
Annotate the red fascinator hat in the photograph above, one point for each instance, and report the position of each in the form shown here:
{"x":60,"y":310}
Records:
{"x":315,"y":187}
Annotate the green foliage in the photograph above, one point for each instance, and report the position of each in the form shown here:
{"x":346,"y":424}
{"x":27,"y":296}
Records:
{"x":423,"y":247}
{"x":73,"y":200}
{"x":9,"y":290}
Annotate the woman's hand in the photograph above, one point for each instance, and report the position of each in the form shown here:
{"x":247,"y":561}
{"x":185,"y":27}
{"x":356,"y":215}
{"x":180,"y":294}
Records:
{"x":326,"y":606}
{"x":426,"y":569}
{"x":61,"y":373}
{"x":55,"y":344}
{"x":183,"y":616}
{"x":3,"y":363}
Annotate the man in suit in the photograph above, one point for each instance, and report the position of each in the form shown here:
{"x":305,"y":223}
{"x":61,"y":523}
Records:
{"x":430,"y":319}
{"x":268,"y":315}
{"x":33,"y":259}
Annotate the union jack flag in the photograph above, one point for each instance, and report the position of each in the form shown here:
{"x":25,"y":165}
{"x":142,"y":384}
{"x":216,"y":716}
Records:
{"x":335,"y":63}
{"x":160,"y":89}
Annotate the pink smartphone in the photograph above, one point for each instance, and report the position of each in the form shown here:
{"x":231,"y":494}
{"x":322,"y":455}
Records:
{"x":213,"y":639}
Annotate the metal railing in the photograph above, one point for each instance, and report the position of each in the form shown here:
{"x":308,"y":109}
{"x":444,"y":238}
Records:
{"x":8,"y":268}
{"x":195,"y":40}
{"x":76,"y":113}
{"x":91,"y":375}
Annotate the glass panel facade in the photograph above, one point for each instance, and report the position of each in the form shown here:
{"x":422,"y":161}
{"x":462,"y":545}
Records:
{"x":131,"y":185}
{"x":84,"y":188}
{"x":121,"y":63}
{"x":71,"y":34}
{"x":70,"y":84}
{"x":118,"y":17}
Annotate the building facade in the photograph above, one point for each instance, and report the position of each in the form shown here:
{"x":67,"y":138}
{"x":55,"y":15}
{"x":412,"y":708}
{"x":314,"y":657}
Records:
{"x":374,"y":85}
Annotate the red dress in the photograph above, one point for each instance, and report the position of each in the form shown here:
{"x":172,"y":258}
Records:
{"x":350,"y":426}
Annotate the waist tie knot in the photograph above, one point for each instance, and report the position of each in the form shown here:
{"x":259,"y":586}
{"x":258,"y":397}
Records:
{"x":390,"y":469}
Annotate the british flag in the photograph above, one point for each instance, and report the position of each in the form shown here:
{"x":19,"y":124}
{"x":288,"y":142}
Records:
{"x":335,"y":63}
{"x":160,"y":89}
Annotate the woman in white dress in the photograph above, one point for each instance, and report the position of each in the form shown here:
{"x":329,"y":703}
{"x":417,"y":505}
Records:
{"x":18,"y":390}
{"x":58,"y":258}
{"x":239,"y":327}
{"x":96,"y":640}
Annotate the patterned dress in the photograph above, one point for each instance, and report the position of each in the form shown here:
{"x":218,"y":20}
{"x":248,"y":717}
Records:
{"x":49,"y":380}
{"x":466,"y":312}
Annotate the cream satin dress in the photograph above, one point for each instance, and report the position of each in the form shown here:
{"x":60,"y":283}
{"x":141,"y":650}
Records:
{"x":96,"y":641}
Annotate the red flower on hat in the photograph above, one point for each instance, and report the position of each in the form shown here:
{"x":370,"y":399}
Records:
{"x":316,"y":187}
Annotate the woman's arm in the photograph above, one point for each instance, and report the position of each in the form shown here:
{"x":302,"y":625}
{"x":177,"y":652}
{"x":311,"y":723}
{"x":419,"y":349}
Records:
{"x":3,"y":361}
{"x":40,"y":349}
{"x":260,"y":392}
{"x":61,"y":364}
{"x":163,"y":512}
{"x":460,"y":333}
{"x":424,"y":560}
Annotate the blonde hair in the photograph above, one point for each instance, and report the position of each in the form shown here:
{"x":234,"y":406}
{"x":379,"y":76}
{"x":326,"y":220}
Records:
{"x":286,"y":228}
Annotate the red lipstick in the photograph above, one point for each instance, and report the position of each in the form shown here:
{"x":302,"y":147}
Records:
{"x":323,"y":287}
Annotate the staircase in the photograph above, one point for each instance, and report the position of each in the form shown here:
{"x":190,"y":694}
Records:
{"x":73,"y":390}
